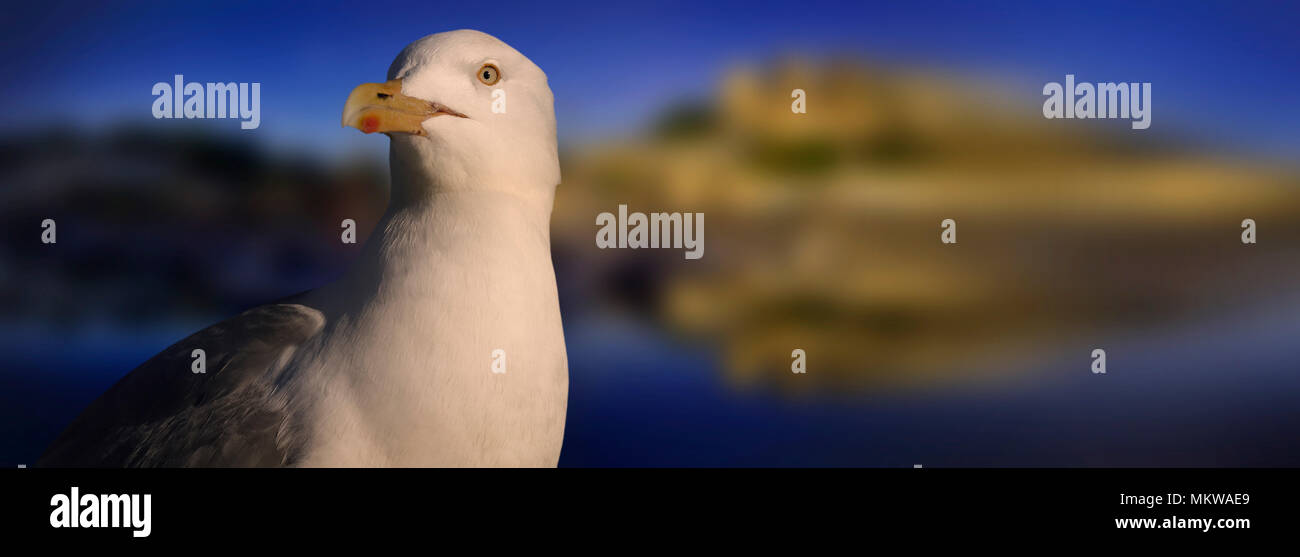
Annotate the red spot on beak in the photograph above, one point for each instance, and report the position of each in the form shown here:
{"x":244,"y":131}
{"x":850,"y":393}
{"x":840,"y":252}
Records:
{"x":370,"y":124}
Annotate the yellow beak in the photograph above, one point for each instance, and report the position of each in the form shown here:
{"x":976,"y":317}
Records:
{"x":381,"y":107}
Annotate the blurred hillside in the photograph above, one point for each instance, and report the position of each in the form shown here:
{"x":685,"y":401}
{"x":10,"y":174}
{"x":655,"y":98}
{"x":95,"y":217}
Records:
{"x":822,"y":229}
{"x":168,"y":227}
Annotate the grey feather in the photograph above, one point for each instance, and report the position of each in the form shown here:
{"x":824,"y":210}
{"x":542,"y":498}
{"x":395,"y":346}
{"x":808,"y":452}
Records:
{"x":164,"y":414}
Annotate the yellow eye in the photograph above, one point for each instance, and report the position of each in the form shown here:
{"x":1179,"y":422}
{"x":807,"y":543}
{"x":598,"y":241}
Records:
{"x":489,"y":74}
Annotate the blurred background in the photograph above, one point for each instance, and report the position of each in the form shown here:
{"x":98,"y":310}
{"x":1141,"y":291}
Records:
{"x":822,"y":229}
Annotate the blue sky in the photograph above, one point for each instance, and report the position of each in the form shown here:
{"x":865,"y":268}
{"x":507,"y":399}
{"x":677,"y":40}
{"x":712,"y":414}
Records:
{"x":1228,"y":72}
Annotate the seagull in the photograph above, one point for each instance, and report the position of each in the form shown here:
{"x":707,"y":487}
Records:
{"x":442,"y":346}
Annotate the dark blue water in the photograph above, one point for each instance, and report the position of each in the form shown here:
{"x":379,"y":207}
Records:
{"x":1212,"y":394}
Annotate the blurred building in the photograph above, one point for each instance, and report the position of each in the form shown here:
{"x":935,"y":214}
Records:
{"x":822,"y":229}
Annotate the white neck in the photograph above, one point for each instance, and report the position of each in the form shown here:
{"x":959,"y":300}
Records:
{"x":446,"y":279}
{"x":452,"y":216}
{"x":472,"y":233}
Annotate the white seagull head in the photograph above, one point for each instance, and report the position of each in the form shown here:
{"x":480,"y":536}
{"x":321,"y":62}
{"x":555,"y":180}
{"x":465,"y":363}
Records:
{"x":466,"y":112}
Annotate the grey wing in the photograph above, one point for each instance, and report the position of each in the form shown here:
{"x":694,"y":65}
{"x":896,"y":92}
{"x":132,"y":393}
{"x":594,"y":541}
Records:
{"x":164,"y":414}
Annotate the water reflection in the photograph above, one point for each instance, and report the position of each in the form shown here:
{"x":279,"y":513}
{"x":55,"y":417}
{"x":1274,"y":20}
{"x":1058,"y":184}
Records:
{"x":1189,"y":397}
